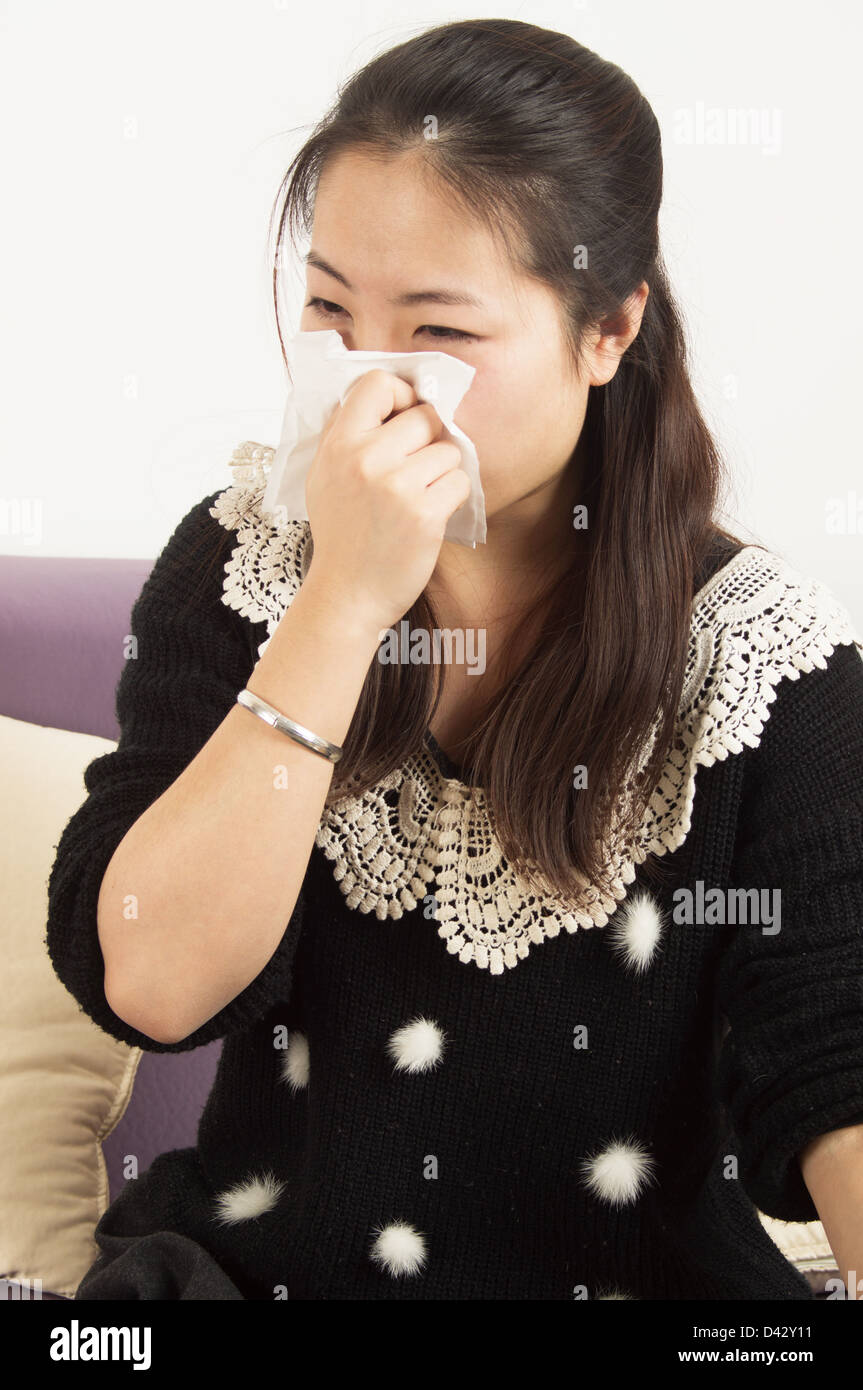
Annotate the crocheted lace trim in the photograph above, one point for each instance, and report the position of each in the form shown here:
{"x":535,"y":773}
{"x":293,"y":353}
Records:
{"x":756,"y":622}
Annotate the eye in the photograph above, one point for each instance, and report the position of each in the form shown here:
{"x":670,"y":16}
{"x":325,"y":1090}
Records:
{"x":327,"y":310}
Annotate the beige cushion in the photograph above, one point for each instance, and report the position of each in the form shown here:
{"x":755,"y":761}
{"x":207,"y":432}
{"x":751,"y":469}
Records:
{"x":803,"y":1242}
{"x":64,"y":1083}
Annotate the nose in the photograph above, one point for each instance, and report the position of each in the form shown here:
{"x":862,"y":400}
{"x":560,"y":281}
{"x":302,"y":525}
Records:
{"x":371,"y":336}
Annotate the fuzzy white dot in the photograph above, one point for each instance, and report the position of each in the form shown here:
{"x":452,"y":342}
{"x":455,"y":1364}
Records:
{"x":635,"y":930}
{"x":295,"y":1063}
{"x":399,"y":1249}
{"x":614,"y":1293}
{"x":619,"y":1173}
{"x":248,"y":1199}
{"x":416,"y":1047}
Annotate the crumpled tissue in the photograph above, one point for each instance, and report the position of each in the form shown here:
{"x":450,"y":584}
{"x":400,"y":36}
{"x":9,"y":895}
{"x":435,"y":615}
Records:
{"x":322,"y":370}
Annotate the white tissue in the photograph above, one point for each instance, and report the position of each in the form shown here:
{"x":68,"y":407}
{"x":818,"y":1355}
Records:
{"x":322,"y":369}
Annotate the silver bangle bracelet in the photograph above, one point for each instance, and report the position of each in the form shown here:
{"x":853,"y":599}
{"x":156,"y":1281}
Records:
{"x":288,"y":726}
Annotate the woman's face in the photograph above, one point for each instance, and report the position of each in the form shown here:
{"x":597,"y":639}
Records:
{"x":389,"y":233}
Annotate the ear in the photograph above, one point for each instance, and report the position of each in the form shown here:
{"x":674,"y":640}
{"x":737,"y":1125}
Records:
{"x":614,"y":336}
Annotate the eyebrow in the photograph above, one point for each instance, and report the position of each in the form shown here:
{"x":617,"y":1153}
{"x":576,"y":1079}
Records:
{"x":439,"y":296}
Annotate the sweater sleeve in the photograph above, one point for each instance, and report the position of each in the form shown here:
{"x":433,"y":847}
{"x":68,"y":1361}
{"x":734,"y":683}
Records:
{"x":193,"y":655}
{"x":791,"y":1062}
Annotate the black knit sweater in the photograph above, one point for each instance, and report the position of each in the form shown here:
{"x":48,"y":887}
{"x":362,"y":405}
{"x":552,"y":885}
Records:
{"x":402,"y":1112}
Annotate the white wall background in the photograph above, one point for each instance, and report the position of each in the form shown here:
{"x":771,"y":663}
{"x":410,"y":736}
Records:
{"x":143,"y":145}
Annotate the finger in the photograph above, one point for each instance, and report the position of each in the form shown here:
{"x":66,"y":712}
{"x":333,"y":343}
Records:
{"x":422,"y":469}
{"x":407,"y":433}
{"x":373,"y":398}
{"x":450,"y":491}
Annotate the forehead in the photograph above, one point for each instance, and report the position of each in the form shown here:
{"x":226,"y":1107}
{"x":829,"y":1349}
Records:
{"x":387,"y":225}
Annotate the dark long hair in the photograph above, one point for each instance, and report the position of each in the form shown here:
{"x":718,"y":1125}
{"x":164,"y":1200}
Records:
{"x":553,"y":147}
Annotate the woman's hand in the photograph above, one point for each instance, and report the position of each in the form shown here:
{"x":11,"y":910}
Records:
{"x":380,"y":492}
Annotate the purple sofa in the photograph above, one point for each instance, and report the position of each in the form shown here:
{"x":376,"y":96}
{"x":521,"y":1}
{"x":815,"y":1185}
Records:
{"x":69,"y":616}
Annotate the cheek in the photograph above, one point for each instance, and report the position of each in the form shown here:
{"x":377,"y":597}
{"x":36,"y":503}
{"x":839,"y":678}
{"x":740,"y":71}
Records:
{"x":502,"y":414}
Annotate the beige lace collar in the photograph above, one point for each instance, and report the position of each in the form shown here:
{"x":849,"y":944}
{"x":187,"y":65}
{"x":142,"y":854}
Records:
{"x":755,"y":622}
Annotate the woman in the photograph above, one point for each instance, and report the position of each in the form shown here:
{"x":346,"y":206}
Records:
{"x":516,"y":1040}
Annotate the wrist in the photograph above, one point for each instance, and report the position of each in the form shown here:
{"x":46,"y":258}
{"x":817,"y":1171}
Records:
{"x":344,"y":613}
